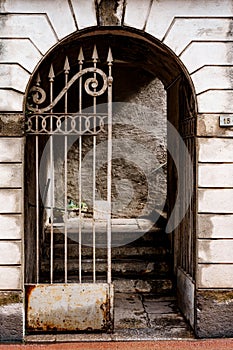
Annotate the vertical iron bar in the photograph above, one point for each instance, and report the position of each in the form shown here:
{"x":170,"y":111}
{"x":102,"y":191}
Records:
{"x":80,"y":58}
{"x":37,"y":206}
{"x":51,"y":79}
{"x":95,"y":56}
{"x":66,"y":70}
{"x":109,"y":169}
{"x":37,"y":195}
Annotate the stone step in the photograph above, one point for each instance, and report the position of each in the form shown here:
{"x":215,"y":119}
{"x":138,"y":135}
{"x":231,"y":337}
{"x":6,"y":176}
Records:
{"x":162,"y":286}
{"x":157,"y":252}
{"x":121,"y":235}
{"x":124,"y":267}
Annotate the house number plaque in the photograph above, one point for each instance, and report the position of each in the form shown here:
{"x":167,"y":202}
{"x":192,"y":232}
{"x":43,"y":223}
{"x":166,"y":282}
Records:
{"x":226,"y":121}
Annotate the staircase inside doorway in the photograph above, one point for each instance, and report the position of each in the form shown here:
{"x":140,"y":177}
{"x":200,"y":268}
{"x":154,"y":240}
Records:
{"x":144,"y":290}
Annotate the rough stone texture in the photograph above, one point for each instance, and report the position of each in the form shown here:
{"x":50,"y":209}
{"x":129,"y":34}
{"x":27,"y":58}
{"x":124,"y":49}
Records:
{"x":12,"y":124}
{"x":11,"y":316}
{"x":110,"y":12}
{"x":214,"y":314}
{"x":139,"y":148}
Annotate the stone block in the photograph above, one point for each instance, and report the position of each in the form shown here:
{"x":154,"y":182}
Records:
{"x":10,"y":277}
{"x":215,"y":226}
{"x":215,"y":175}
{"x":215,"y":101}
{"x":214,"y":150}
{"x":62,"y":24}
{"x":215,"y":251}
{"x":13,"y":76}
{"x":213,"y":78}
{"x":10,"y":253}
{"x":21,"y":51}
{"x":11,"y":315}
{"x":208,"y":125}
{"x":214,"y":314}
{"x":11,"y":227}
{"x":10,"y":200}
{"x":215,"y":276}
{"x":185,"y":30}
{"x":162,"y":13}
{"x":198,"y":54}
{"x":11,"y":100}
{"x":12,"y":124}
{"x":85,"y":13}
{"x":11,"y":175}
{"x":215,"y":201}
{"x":36,"y":27}
{"x":136,"y":13}
{"x":11,"y":149}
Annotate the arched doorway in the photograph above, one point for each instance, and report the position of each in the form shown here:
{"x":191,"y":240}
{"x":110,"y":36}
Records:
{"x":148,"y":84}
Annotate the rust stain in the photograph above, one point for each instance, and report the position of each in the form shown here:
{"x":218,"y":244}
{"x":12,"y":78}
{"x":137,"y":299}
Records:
{"x":58,"y":308}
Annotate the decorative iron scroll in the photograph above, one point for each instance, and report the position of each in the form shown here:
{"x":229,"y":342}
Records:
{"x":66,"y":124}
{"x":91,"y":85}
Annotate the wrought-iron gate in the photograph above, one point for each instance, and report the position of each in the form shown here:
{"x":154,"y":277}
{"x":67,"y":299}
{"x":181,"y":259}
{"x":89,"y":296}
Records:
{"x":60,"y":302}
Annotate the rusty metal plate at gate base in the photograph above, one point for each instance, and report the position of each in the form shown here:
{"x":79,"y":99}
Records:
{"x":69,"y":307}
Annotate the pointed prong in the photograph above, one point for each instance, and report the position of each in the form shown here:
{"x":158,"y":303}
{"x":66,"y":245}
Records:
{"x":38,"y":80}
{"x":51,"y":73}
{"x":66,"y":66}
{"x":80,"y":56}
{"x":110,"y":58}
{"x":95,"y":54}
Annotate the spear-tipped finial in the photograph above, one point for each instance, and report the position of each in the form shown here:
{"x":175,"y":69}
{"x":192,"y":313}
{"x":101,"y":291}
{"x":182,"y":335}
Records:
{"x":66,"y":66}
{"x":110,"y":58}
{"x":80,"y":56}
{"x":95,"y":55}
{"x":51,"y":73}
{"x":38,"y":80}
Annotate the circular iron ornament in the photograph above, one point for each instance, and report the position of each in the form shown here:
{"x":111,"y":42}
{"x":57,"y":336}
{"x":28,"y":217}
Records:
{"x":38,"y":95}
{"x":131,"y":151}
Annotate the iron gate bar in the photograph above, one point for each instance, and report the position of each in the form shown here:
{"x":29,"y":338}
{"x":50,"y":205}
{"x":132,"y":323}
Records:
{"x":44,"y":121}
{"x":95,"y":59}
{"x":52,"y":204}
{"x":109,"y":167}
{"x":80,"y":61}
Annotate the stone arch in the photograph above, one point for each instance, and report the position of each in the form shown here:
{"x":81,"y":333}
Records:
{"x":139,"y":49}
